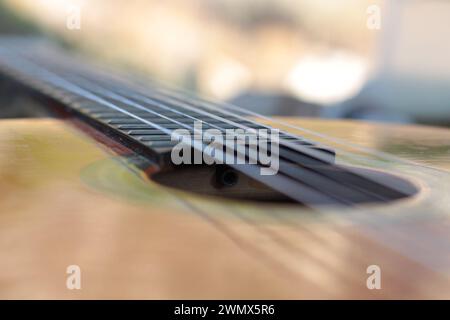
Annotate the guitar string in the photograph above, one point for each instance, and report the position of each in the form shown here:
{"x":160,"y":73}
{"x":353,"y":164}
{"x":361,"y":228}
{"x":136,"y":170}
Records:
{"x":249,"y":247}
{"x":346,"y":169}
{"x":329,"y":184}
{"x":60,"y":82}
{"x":111,"y":73}
{"x":121,"y":80}
{"x":242,"y":242}
{"x":282,"y":141}
{"x":312,"y":153}
{"x":207,"y":102}
{"x":278,"y":238}
{"x":107,"y":92}
{"x":143,"y":98}
{"x":232,"y":238}
{"x":300,"y":149}
{"x":103,"y":92}
{"x":411,"y":161}
{"x":239,"y":240}
{"x":45,"y":45}
{"x":305,"y":193}
{"x":322,"y":183}
{"x":99,"y":90}
{"x":228,"y":121}
{"x":340,"y":199}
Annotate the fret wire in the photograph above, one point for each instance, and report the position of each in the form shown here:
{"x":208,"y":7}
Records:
{"x":297,"y":174}
{"x":317,"y":153}
{"x":222,"y":119}
{"x":182,"y":93}
{"x":292,"y":174}
{"x":282,"y":141}
{"x":313,"y":153}
{"x":152,"y":101}
{"x":306,"y":190}
{"x":302,"y":149}
{"x":310,"y":152}
{"x":159,"y":105}
{"x":111,"y":73}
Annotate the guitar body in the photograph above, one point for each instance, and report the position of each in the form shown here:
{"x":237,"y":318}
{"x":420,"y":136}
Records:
{"x":66,"y":200}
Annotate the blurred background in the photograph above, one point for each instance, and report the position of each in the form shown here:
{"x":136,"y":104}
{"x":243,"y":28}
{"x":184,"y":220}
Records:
{"x":382,"y":60}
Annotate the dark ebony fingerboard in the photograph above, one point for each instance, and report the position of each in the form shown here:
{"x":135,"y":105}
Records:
{"x":144,"y":116}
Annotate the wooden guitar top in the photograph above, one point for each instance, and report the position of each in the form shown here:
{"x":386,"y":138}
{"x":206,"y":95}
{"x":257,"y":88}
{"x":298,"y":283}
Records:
{"x":65,"y":201}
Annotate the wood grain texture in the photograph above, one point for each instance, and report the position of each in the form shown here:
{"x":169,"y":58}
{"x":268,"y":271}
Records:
{"x":64,"y":200}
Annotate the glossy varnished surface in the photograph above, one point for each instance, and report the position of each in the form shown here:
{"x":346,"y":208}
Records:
{"x":64,"y":201}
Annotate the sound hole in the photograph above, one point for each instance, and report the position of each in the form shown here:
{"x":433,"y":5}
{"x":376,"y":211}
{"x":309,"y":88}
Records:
{"x":222,"y":181}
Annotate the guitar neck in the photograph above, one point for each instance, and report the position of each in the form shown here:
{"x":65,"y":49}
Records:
{"x":147,"y":118}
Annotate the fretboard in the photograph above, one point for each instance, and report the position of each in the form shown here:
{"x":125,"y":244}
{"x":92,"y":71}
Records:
{"x":144,"y":115}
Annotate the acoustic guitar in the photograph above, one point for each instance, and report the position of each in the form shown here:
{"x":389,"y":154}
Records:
{"x":351,"y":210}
